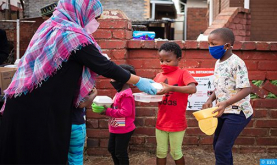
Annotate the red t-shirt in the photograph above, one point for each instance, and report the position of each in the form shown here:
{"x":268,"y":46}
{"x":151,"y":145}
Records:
{"x":172,"y":110}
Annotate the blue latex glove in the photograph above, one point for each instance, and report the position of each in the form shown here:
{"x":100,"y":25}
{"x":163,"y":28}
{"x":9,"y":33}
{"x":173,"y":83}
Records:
{"x":144,"y":85}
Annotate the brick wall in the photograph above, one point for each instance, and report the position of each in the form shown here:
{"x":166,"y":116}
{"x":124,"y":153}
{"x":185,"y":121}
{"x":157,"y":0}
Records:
{"x":237,"y":3}
{"x":263,"y":20}
{"x":235,"y":18}
{"x":224,"y":4}
{"x":196,"y":22}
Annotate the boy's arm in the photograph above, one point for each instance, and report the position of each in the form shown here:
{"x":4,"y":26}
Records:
{"x":239,"y":96}
{"x":126,"y":109}
{"x":89,"y":99}
{"x":190,"y":88}
{"x":209,"y":102}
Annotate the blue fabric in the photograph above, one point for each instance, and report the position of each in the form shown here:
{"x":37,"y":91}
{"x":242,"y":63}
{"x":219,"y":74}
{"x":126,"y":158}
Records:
{"x":144,"y":85}
{"x":77,"y":142}
{"x":228,"y":129}
{"x":217,"y":51}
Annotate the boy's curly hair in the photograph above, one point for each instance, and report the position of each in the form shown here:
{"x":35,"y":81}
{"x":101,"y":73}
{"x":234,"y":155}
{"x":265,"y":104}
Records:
{"x":171,"y":47}
{"x":129,"y":68}
{"x":226,"y":34}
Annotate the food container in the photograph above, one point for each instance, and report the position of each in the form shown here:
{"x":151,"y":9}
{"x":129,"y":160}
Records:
{"x":103,"y":100}
{"x":144,"y":97}
{"x":205,"y":113}
{"x":157,"y":86}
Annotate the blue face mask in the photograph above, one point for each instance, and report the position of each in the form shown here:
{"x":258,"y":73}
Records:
{"x":217,"y":51}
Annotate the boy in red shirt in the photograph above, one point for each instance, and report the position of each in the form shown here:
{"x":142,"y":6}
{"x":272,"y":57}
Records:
{"x":171,"y":120}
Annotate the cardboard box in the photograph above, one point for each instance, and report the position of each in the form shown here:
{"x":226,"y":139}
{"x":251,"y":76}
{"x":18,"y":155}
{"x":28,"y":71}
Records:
{"x":6,"y":75}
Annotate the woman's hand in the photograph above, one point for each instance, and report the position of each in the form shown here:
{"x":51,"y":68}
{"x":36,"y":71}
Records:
{"x":144,"y":85}
{"x":221,"y":107}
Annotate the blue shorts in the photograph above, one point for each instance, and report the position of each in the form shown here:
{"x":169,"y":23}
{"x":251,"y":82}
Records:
{"x":77,"y":142}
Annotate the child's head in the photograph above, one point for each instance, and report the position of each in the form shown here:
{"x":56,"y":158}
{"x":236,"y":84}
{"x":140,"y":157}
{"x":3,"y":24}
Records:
{"x":220,"y":40}
{"x":170,"y":54}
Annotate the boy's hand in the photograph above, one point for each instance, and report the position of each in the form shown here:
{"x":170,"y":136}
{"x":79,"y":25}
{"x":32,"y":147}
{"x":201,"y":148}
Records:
{"x":221,"y":107}
{"x":208,"y":104}
{"x":166,"y":89}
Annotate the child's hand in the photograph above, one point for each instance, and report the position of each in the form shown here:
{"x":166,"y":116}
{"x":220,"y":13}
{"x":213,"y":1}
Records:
{"x":104,"y":111}
{"x":208,"y":104}
{"x":166,"y":89}
{"x":221,"y":107}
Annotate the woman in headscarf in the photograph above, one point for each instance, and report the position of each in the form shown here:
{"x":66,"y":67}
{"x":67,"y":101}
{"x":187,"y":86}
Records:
{"x":55,"y":74}
{"x":4,"y":46}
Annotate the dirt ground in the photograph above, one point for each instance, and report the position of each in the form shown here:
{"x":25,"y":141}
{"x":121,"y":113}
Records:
{"x":195,"y":157}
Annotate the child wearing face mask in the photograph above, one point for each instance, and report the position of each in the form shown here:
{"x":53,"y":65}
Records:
{"x":121,"y":122}
{"x":232,"y":89}
{"x":171,"y":120}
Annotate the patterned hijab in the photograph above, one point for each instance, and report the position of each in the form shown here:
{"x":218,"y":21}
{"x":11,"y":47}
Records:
{"x":53,"y":43}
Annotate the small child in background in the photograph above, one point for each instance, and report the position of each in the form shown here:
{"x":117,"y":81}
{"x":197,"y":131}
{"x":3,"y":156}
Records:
{"x":121,"y":122}
{"x":232,"y":89}
{"x":78,"y":130}
{"x":171,"y":120}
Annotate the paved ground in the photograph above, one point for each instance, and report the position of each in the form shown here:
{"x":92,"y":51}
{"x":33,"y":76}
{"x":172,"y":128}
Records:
{"x":195,"y":157}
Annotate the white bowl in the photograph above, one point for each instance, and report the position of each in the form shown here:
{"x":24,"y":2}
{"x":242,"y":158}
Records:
{"x":103,"y":100}
{"x":157,"y":86}
{"x":144,"y":97}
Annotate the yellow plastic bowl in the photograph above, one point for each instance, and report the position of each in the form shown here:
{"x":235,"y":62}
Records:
{"x":205,"y":113}
{"x":208,"y":126}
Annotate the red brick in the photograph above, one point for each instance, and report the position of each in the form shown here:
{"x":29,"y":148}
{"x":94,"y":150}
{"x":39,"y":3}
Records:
{"x":112,"y":44}
{"x":102,"y":33}
{"x":197,"y":54}
{"x":273,"y":46}
{"x":134,"y":44}
{"x":267,"y":141}
{"x":150,"y":122}
{"x":260,"y":113}
{"x":203,"y":45}
{"x":256,"y":75}
{"x":250,"y":124}
{"x":273,"y":132}
{"x":145,"y":111}
{"x":190,"y":140}
{"x":259,"y":55}
{"x":109,"y":92}
{"x":103,"y":123}
{"x":119,"y":54}
{"x":150,"y":140}
{"x":98,"y":152}
{"x":97,"y":133}
{"x":145,"y":64}
{"x":248,"y":45}
{"x":137,"y":140}
{"x":267,"y":65}
{"x":92,"y":123}
{"x":104,"y":142}
{"x":206,"y":140}
{"x":148,"y":44}
{"x":271,"y":75}
{"x":160,"y":43}
{"x":143,"y":54}
{"x":148,"y":73}
{"x":192,"y":123}
{"x":191,"y":44}
{"x":273,"y":113}
{"x":92,"y":143}
{"x":259,"y":91}
{"x":194,"y":131}
{"x":251,"y":65}
{"x":237,"y":45}
{"x":92,"y":115}
{"x":272,"y":150}
{"x":263,"y":46}
{"x":270,"y":87}
{"x":249,"y":149}
{"x":113,"y":24}
{"x":189,"y":64}
{"x":104,"y":84}
{"x":149,"y":131}
{"x":254,"y":132}
{"x":129,"y":35}
{"x":139,"y":121}
{"x":244,"y":141}
{"x":266,"y":123}
{"x":119,"y":34}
